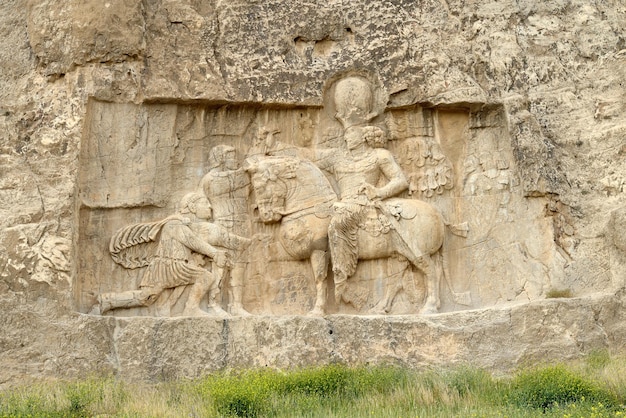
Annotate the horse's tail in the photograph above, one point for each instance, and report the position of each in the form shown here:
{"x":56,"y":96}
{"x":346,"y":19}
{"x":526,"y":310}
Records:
{"x":443,"y":269}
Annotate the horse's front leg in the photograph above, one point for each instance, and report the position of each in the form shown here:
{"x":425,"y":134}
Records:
{"x":319,"y":264}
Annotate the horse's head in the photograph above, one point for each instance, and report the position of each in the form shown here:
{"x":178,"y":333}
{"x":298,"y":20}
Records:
{"x":269,"y":177}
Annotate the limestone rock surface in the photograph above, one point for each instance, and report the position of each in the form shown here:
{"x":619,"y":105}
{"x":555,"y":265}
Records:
{"x":169,"y":348}
{"x":90,"y":89}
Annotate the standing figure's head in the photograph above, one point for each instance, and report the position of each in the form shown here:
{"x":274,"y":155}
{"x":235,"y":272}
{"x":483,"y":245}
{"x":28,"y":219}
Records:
{"x":196,"y":204}
{"x":222,"y":157}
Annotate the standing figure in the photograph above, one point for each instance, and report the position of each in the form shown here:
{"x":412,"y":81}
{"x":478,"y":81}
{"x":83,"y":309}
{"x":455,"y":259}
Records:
{"x":227,"y":187}
{"x":174,"y":252}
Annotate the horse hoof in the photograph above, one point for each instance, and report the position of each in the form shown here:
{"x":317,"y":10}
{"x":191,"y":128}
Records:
{"x":428,"y":310}
{"x":95,"y":310}
{"x":378,"y":312}
{"x":239,"y":312}
{"x":195,"y":312}
{"x":218,"y":312}
{"x":375,"y":312}
{"x":379,"y":309}
{"x":316,"y":312}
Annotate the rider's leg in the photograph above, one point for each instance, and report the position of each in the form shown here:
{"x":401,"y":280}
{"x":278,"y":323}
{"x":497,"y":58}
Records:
{"x":342,"y":240}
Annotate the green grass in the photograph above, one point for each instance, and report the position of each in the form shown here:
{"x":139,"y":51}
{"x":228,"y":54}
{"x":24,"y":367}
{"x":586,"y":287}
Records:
{"x":590,"y":388}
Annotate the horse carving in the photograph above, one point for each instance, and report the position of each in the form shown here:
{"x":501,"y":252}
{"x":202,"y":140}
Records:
{"x":296,"y":193}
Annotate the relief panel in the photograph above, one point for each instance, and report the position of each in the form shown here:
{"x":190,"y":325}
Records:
{"x":346,"y":208}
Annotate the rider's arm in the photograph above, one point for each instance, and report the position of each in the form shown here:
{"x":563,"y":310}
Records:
{"x":323,"y":158}
{"x":390,"y":168}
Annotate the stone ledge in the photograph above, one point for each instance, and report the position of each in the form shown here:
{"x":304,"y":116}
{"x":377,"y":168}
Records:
{"x":497,"y":338}
{"x":154,"y":349}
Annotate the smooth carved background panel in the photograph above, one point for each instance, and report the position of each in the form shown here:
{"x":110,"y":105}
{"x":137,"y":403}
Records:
{"x":138,"y":161}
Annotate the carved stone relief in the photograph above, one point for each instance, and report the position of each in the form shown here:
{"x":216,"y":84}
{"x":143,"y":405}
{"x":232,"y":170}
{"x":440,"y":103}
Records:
{"x":348,"y":208}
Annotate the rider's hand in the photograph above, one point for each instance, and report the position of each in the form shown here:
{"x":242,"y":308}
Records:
{"x":372,"y":192}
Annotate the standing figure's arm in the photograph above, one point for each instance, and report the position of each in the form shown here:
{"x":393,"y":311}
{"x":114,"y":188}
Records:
{"x":205,"y":184}
{"x":241,"y":179}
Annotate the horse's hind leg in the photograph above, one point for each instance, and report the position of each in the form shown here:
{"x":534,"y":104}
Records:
{"x":429,"y":268}
{"x":384,"y":306}
{"x":426,"y":265}
{"x":319,"y":263}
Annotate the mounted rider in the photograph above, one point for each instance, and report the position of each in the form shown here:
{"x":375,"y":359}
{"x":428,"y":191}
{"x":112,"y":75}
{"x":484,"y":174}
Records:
{"x":358,"y":167}
{"x":358,"y":170}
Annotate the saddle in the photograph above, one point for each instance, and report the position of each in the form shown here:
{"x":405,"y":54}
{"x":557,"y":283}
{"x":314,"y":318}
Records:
{"x":389,"y":208}
{"x":382,"y":217}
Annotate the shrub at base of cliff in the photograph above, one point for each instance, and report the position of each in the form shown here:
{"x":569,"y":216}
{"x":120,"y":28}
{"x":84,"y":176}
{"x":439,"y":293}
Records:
{"x":556,"y":386}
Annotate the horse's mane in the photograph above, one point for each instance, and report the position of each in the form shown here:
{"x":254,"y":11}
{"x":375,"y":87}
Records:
{"x":309,"y":188}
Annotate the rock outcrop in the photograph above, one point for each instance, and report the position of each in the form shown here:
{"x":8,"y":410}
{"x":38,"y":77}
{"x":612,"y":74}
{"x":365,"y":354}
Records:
{"x":508,"y":117}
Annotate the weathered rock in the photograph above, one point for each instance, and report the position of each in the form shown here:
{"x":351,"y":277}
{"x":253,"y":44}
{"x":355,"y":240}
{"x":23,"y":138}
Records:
{"x":109,"y":111}
{"x":169,"y":348}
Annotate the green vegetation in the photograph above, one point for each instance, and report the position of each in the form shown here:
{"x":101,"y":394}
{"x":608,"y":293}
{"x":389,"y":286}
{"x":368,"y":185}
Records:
{"x":556,"y":386}
{"x":65,"y":399}
{"x":595,"y":387}
{"x":270,"y":393}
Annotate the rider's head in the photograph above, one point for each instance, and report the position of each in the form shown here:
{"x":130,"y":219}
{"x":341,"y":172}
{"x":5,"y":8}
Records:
{"x":354,"y":137}
{"x":222,"y":157}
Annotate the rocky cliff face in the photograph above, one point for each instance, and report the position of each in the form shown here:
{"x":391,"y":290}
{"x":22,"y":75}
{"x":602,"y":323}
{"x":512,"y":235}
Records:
{"x":553,"y":71}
